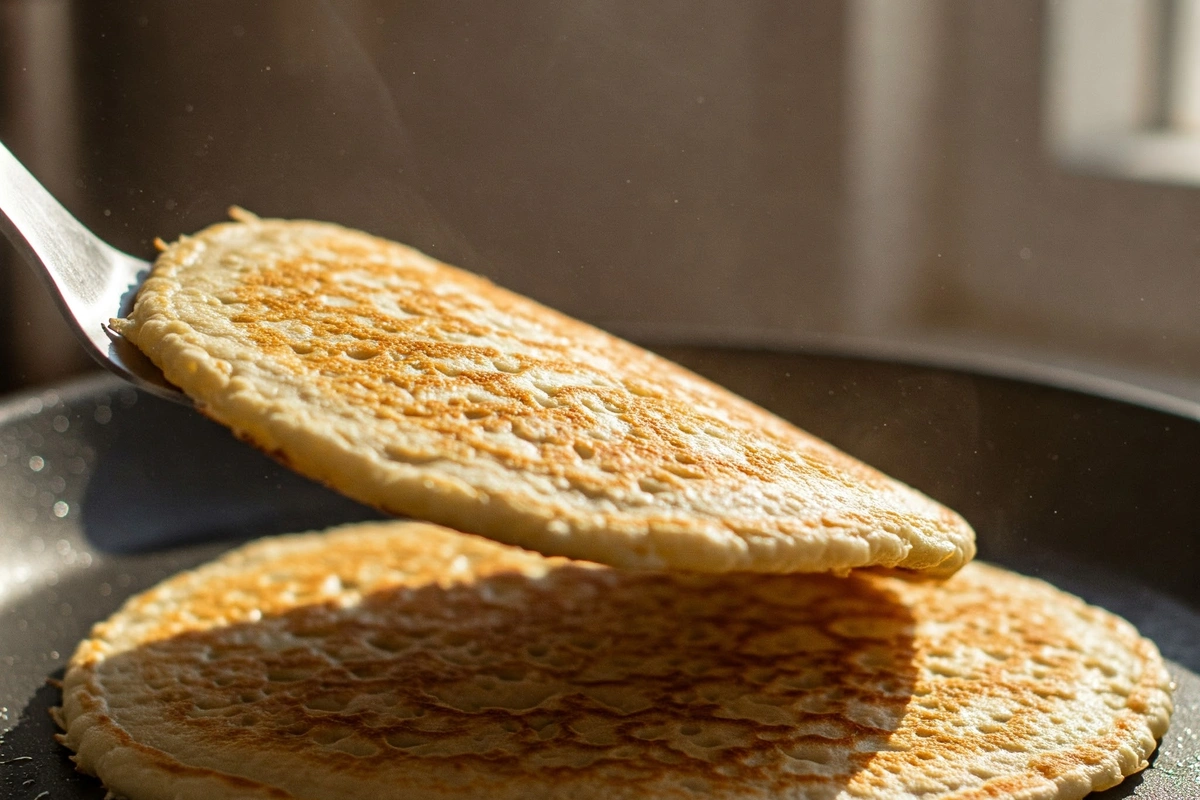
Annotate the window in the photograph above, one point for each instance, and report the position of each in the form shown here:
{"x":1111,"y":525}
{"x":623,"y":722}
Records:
{"x":1123,"y":90}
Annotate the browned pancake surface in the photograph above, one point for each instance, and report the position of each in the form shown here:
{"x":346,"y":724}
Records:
{"x":406,"y":660}
{"x":431,"y":393}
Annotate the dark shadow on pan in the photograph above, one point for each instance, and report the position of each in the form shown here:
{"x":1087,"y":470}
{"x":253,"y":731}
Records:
{"x":175,"y":478}
{"x":525,"y":661}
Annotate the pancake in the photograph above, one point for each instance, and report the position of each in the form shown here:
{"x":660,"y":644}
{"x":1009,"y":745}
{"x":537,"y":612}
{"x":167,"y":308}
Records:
{"x":428,"y":392}
{"x":405,"y":660}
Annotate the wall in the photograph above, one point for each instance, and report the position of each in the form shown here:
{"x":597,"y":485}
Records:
{"x":767,"y":172}
{"x":647,"y":171}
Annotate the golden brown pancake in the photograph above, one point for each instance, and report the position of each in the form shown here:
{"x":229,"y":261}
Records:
{"x":403,"y":660}
{"x":431,"y":393}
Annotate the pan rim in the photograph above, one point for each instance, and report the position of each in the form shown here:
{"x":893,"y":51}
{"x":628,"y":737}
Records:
{"x":968,"y":361}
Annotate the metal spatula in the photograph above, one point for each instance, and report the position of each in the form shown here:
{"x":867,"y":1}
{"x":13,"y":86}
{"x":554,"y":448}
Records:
{"x":91,"y":280}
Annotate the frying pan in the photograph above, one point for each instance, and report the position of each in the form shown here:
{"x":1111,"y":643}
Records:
{"x":104,"y":491}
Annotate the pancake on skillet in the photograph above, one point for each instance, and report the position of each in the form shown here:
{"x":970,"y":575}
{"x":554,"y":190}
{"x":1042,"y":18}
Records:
{"x":405,"y":660}
{"x":429,"y":392}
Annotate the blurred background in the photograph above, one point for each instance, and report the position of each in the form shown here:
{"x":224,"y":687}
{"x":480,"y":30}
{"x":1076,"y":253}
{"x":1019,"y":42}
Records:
{"x":1006,"y":177}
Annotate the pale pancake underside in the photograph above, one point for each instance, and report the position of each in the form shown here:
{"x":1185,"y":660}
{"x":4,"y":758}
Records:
{"x":403,"y":660}
{"x":431,"y":393}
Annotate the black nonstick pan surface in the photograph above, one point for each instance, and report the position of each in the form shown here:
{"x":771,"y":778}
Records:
{"x":104,"y":491}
